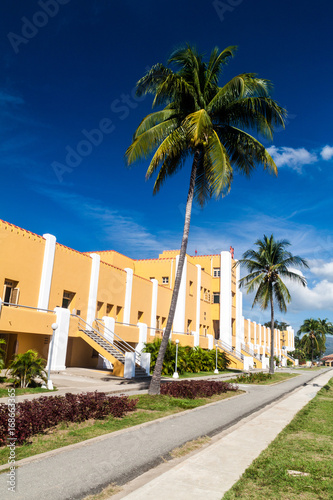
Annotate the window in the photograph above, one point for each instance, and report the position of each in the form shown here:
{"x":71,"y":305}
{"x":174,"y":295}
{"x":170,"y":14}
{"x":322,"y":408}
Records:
{"x":99,"y":308}
{"x":158,"y":322}
{"x":189,"y":325}
{"x":10,"y":292}
{"x":67,"y":299}
{"x":118,"y":313}
{"x":216,"y":272}
{"x":140,"y":316}
{"x":165,"y":280}
{"x":152,"y":277}
{"x":216,"y":297}
{"x":109,"y":309}
{"x":191,"y":287}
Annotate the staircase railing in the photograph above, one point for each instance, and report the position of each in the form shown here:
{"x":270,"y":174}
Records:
{"x":231,"y":350}
{"x":124,"y":347}
{"x":250,"y":351}
{"x":85,"y":327}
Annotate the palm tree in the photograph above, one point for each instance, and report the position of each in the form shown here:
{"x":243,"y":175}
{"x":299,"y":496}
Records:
{"x":25,"y":367}
{"x":205,"y":122}
{"x":267,"y":266}
{"x":314,"y":335}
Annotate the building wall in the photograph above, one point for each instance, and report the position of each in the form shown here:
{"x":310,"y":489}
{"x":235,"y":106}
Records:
{"x":21,"y":260}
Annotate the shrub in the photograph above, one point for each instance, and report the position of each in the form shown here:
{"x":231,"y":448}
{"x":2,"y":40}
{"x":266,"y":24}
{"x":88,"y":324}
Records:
{"x":192,"y":360}
{"x":38,"y":415}
{"x":26,"y":367}
{"x":253,"y":378}
{"x":192,"y":389}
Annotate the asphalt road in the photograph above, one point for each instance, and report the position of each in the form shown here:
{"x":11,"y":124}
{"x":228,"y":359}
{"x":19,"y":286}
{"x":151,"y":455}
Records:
{"x":82,"y":469}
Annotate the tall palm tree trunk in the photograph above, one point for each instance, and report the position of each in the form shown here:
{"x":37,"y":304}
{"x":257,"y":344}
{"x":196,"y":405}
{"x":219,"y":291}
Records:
{"x":154,"y":387}
{"x":271,"y":361}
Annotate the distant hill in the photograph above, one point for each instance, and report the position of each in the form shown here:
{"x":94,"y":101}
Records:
{"x":329,"y":345}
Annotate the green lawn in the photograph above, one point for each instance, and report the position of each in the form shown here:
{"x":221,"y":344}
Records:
{"x":148,"y":408}
{"x":304,"y":446}
{"x":19,"y":392}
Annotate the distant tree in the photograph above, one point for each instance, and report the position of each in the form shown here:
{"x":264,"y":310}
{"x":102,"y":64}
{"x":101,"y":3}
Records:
{"x":279,"y":325}
{"x":267,"y":266}
{"x":313,"y":340}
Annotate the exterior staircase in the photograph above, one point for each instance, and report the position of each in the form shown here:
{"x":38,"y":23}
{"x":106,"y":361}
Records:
{"x":237,"y":358}
{"x":110,"y":351}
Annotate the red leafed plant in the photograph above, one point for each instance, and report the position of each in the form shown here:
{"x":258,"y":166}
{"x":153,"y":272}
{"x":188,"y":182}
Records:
{"x":193,"y":389}
{"x":38,"y":415}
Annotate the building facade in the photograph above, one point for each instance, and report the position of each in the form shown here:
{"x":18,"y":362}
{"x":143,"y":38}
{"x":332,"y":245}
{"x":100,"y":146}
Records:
{"x":107,"y":305}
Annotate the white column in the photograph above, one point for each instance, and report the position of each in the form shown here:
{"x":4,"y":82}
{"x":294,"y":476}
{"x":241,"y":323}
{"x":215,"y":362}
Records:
{"x":239,"y":313}
{"x":197,"y":323}
{"x":154,"y":306}
{"x":60,"y":339}
{"x":179,"y":319}
{"x":92,"y":299}
{"x":225,"y":298}
{"x":142,"y":336}
{"x":128,"y":294}
{"x":259,"y":337}
{"x":109,"y":325}
{"x":109,"y":328}
{"x":249,"y":333}
{"x":47,"y":271}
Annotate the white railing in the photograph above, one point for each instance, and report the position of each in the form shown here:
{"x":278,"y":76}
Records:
{"x":220,"y":343}
{"x":124,"y":347}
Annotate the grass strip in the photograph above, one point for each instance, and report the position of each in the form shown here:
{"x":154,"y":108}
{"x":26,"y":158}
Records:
{"x":298,"y":464}
{"x":276,"y":377}
{"x":20,"y":392}
{"x":148,"y":408}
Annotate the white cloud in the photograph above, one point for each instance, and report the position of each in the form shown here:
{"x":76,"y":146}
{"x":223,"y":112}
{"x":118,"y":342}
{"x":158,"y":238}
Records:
{"x":292,"y":158}
{"x":327,"y":152}
{"x":322,"y":269}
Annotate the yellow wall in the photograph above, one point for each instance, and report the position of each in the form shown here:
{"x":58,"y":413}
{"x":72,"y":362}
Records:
{"x":15,"y":243}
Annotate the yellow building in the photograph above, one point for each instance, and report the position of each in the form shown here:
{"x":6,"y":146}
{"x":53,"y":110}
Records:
{"x":107,"y":305}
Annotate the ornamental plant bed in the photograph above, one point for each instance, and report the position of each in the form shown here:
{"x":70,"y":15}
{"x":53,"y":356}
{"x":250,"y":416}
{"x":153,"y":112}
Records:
{"x":193,"y":389}
{"x":39,"y":415}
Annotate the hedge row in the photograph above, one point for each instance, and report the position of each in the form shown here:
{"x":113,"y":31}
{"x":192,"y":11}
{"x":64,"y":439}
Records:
{"x":190,"y":360}
{"x":193,"y":389}
{"x":38,"y":415}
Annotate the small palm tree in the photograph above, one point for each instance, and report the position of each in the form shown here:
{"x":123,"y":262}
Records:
{"x":26,"y":367}
{"x":314,"y":335}
{"x":209,"y":124}
{"x":267,"y":266}
{"x":2,"y":354}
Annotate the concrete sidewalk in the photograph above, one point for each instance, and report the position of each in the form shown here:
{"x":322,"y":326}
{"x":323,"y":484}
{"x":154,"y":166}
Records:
{"x":211,"y":472}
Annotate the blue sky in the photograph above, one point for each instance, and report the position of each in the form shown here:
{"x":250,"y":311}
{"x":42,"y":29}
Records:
{"x":69,"y":67}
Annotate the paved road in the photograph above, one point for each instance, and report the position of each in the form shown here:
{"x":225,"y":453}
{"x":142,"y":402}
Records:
{"x":82,"y":469}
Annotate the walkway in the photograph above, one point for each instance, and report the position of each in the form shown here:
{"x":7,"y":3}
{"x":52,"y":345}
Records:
{"x":192,"y":478}
{"x":77,"y":470}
